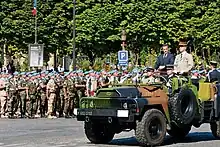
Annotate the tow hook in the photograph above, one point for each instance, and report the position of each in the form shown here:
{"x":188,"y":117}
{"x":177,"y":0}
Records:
{"x":109,"y":120}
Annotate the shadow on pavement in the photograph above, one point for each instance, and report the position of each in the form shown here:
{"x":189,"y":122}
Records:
{"x":191,"y":138}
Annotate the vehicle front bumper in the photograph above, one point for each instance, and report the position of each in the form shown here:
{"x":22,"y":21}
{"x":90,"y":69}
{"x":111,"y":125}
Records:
{"x":104,"y":114}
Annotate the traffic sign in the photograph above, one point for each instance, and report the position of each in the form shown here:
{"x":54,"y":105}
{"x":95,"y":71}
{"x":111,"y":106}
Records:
{"x":123,"y":57}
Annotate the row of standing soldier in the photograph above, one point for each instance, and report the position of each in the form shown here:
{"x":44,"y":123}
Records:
{"x":39,"y":95}
{"x":50,"y":94}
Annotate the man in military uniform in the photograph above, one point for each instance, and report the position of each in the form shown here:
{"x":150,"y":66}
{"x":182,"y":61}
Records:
{"x":60,"y":94}
{"x":3,"y":98}
{"x":184,"y":61}
{"x":213,"y":74}
{"x":16,"y":101}
{"x":42,"y":95}
{"x":150,"y":76}
{"x":51,"y":95}
{"x":32,"y":98}
{"x":69,"y":93}
{"x":23,"y":91}
{"x":104,"y":80}
{"x":12,"y":96}
{"x":170,"y":75}
{"x":80,"y":84}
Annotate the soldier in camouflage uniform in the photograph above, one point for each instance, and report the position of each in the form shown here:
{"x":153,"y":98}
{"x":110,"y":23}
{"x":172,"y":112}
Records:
{"x":42,"y":95}
{"x":23,"y":92}
{"x":3,"y":98}
{"x":57,"y":105}
{"x":80,"y":83}
{"x":16,"y":101}
{"x":32,"y":92}
{"x":69,"y":92}
{"x":61,"y":94}
{"x":12,"y":96}
{"x":51,"y":95}
{"x":6,"y":79}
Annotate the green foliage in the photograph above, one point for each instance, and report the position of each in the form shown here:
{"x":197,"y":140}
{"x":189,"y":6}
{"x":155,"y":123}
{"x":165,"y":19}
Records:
{"x":98,"y":65}
{"x":24,"y":66}
{"x":84,"y":65}
{"x":148,"y":24}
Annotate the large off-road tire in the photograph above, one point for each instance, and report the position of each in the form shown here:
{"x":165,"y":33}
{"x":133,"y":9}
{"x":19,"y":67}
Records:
{"x":215,"y":128}
{"x":177,"y":132}
{"x":182,"y":107}
{"x":151,"y":130}
{"x":98,"y":133}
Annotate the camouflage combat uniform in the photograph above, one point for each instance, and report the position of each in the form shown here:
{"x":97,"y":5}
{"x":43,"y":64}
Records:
{"x":42,"y":95}
{"x":32,"y":101}
{"x":51,"y":94}
{"x":60,"y":96}
{"x":23,"y":92}
{"x":3,"y":98}
{"x":12,"y":97}
{"x":80,"y":90}
{"x":71,"y":95}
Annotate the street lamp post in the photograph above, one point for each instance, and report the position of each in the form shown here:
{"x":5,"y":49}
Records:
{"x":123,"y":39}
{"x":74,"y":34}
{"x":34,"y":12}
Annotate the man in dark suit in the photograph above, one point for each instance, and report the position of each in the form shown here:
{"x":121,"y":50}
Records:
{"x":166,"y":58}
{"x":214,"y":74}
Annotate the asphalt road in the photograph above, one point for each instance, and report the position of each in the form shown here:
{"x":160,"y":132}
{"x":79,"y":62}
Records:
{"x":69,"y":133}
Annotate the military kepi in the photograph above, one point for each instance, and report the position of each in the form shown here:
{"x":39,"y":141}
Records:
{"x":182,"y":42}
{"x":169,"y":67}
{"x":150,"y":69}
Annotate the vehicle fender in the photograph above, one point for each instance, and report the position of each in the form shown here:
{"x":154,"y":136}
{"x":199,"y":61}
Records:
{"x":145,"y":104}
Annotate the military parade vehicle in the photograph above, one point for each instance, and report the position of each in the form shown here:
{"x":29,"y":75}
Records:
{"x":152,"y":110}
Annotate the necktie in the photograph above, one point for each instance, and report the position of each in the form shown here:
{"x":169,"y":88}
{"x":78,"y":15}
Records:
{"x":181,"y":56}
{"x":165,"y":55}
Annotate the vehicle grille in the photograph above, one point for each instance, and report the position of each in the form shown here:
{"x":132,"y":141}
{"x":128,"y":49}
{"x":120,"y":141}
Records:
{"x":99,"y":103}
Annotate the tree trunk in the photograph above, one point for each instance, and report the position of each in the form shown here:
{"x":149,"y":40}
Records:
{"x":6,"y":56}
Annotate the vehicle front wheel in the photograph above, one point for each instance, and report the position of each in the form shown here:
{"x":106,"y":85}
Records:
{"x":98,"y":133}
{"x":151,"y":130}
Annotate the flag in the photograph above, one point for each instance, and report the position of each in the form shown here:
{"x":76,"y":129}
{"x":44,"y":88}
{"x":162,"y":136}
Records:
{"x":34,"y":11}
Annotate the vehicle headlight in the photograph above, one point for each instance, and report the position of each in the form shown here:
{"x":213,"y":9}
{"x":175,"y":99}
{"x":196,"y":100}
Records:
{"x":125,"y":106}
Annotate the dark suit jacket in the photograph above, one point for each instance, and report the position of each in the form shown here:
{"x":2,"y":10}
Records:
{"x":163,"y":61}
{"x":213,"y":76}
